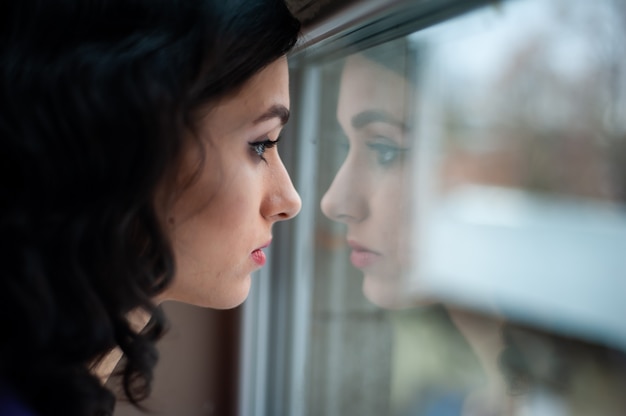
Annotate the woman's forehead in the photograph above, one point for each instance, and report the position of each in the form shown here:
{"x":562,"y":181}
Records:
{"x":264,"y":99}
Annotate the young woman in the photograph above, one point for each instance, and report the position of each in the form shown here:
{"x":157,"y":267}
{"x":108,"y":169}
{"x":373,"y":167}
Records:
{"x":139,"y":164}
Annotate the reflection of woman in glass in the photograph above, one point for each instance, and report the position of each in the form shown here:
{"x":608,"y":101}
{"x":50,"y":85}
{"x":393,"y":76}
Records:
{"x":372,"y":195}
{"x":369,"y":193}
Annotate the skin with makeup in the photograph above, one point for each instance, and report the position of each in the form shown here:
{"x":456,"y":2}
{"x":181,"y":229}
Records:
{"x":221,"y":223}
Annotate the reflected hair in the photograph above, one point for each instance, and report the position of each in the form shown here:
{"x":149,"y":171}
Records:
{"x":96,"y":100}
{"x":399,"y":55}
{"x":535,"y":359}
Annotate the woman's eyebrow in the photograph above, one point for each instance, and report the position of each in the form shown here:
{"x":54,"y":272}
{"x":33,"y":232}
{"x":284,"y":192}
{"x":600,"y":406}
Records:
{"x":366,"y":117}
{"x":276,"y":111}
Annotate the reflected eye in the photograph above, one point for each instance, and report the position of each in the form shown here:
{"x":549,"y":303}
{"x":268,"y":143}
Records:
{"x":261,"y":146}
{"x":386,"y":154}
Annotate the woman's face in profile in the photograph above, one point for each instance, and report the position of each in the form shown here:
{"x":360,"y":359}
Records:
{"x":223,"y":218}
{"x":371,"y":191}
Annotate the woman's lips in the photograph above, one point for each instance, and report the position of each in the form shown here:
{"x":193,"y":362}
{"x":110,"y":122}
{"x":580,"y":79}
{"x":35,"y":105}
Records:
{"x":258,"y":256}
{"x":362,"y":257}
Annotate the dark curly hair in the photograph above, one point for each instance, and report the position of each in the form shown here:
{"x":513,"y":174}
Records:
{"x":96,"y":98}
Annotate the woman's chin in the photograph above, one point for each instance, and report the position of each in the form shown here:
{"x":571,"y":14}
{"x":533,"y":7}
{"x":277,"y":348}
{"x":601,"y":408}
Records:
{"x":227,"y":300}
{"x":228,"y":297}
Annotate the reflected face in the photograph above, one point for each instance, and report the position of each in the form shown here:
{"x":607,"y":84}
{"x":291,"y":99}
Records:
{"x":370,"y":193}
{"x":223,"y":218}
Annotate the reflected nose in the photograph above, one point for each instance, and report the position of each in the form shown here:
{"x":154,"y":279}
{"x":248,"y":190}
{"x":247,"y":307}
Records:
{"x":345,"y":199}
{"x":282,"y":202}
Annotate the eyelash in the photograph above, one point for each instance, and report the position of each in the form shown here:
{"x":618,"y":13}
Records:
{"x":260,"y":147}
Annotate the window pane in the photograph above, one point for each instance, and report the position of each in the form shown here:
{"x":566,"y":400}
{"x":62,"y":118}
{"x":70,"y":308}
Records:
{"x":471,"y":221}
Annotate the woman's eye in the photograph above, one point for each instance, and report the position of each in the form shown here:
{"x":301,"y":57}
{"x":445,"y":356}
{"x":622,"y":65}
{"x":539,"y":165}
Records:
{"x":261,"y":146}
{"x":386,"y":154}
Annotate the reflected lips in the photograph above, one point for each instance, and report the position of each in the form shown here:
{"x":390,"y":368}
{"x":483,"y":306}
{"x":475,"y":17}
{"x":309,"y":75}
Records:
{"x":361,"y":257}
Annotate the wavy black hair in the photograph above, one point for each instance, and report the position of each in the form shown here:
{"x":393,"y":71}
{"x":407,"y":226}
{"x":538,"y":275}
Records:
{"x":96,"y":99}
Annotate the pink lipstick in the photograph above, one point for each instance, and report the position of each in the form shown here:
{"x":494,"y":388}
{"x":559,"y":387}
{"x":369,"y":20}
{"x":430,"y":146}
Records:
{"x":258,"y":256}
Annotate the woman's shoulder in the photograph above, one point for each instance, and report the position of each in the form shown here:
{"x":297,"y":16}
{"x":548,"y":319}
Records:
{"x":11,"y":405}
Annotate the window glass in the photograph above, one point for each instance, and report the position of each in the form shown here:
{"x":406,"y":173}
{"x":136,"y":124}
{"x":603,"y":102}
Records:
{"x":470,"y":218}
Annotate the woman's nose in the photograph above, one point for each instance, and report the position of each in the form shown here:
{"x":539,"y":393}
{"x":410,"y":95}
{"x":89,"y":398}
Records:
{"x":345,"y":200}
{"x":283,"y":202}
